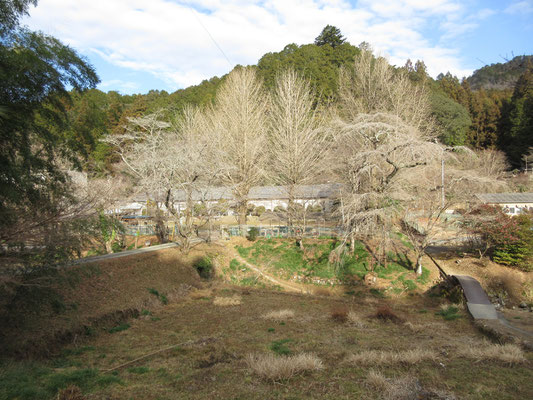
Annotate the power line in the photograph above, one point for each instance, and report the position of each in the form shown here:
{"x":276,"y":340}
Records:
{"x":212,"y":38}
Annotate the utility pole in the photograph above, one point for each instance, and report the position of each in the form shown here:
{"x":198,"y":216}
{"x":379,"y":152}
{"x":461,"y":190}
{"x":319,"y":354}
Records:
{"x":442,"y":182}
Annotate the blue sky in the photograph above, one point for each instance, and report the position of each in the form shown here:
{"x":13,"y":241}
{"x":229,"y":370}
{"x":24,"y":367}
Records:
{"x":138,"y":45}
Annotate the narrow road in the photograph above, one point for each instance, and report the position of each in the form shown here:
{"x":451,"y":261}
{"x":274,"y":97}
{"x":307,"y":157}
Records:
{"x":126,"y":253}
{"x":477,"y":301}
{"x":291,"y":287}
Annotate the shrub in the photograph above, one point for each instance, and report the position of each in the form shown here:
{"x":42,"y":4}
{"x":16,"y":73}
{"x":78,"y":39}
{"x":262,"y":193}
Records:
{"x":275,"y":368}
{"x":385,"y":313}
{"x":252,"y":234}
{"x":260,"y":210}
{"x":314,"y":208}
{"x":508,"y":240}
{"x":279,"y":209}
{"x":339,"y":314}
{"x":204,"y":267}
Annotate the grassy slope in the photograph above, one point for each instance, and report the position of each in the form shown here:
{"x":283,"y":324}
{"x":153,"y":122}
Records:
{"x":282,"y":258}
{"x":217,"y":368}
{"x":96,"y":295}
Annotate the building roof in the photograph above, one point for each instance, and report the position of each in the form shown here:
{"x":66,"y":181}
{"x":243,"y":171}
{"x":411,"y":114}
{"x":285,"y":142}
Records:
{"x":321,"y":191}
{"x":505,"y":198}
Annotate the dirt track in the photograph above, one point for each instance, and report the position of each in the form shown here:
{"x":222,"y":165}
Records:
{"x":291,"y":287}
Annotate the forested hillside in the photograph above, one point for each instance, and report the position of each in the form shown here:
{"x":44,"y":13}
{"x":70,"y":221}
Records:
{"x":499,"y":75}
{"x":490,"y":109}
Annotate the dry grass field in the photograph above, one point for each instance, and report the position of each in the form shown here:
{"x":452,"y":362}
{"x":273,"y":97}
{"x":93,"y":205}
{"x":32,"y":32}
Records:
{"x":254,"y":348}
{"x":215,"y":340}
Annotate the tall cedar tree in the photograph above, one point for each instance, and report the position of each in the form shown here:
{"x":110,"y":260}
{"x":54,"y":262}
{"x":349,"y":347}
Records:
{"x":517,"y":124}
{"x":34,"y":72}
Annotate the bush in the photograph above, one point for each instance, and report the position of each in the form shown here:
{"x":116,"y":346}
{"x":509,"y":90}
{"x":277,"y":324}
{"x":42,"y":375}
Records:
{"x":449,"y":313}
{"x":314,"y":208}
{"x":204,"y":267}
{"x":260,"y":210}
{"x":339,"y":314}
{"x":385,"y":313}
{"x":507,"y":240}
{"x":279,"y":209}
{"x":252,"y":234}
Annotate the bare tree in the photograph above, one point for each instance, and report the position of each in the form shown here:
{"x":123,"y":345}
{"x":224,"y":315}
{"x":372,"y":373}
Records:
{"x":466,"y":173}
{"x":297,"y":142}
{"x":371,"y":85}
{"x":166,"y":158}
{"x":239,"y":119}
{"x":384,"y":133}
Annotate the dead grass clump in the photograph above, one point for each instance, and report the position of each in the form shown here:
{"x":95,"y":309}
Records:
{"x":393,"y":388}
{"x":507,"y":353}
{"x":321,"y":291}
{"x":385,"y":313}
{"x":177,"y":294}
{"x":509,"y":283}
{"x":274,"y":368}
{"x":403,"y":388}
{"x":72,"y":392}
{"x":380,"y":357}
{"x":415,"y":328}
{"x":201,"y":294}
{"x":339,"y":314}
{"x":280,"y":315}
{"x":355,"y":320}
{"x":227,"y":301}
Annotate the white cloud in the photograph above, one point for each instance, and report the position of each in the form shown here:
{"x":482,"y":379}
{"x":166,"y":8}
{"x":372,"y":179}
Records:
{"x":120,"y":85}
{"x":169,"y":40}
{"x":520,"y":7}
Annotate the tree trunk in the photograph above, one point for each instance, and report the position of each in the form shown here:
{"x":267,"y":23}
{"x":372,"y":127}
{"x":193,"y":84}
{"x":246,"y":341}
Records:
{"x":419,"y":264}
{"x":352,"y":244}
{"x":161,"y":230}
{"x":242,"y":209}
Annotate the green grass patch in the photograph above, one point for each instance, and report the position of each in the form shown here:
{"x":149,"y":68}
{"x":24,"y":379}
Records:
{"x":138,"y":370}
{"x":162,"y":297}
{"x":449,"y":313}
{"x":424,"y":278}
{"x":76,"y":351}
{"x":36,"y":381}
{"x":377,"y":293}
{"x":280,"y":347}
{"x":251,"y":281}
{"x":119,"y":328}
{"x":234,"y":265}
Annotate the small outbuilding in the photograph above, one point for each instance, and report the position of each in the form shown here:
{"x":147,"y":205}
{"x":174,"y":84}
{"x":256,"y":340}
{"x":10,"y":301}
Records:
{"x":511,"y":203}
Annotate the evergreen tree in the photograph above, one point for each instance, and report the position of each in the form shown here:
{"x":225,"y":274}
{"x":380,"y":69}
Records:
{"x":35,"y":70}
{"x":518,"y":121}
{"x":330,"y":35}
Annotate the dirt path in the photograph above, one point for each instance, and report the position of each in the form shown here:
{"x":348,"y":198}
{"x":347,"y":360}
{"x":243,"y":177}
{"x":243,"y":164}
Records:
{"x":290,"y":286}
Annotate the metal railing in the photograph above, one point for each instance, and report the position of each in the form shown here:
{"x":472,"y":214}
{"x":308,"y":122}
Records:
{"x":280,"y":231}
